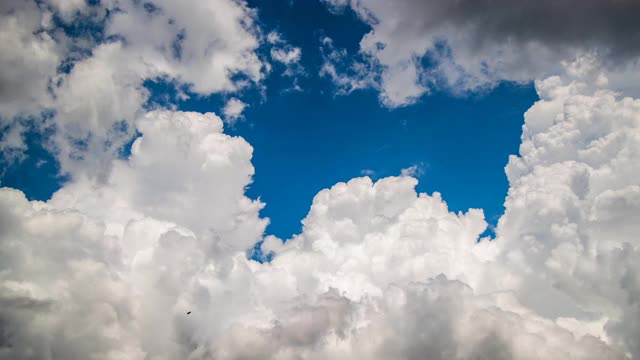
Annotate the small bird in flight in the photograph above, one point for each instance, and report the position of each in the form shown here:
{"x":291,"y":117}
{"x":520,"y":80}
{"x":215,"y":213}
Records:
{"x":188,"y":312}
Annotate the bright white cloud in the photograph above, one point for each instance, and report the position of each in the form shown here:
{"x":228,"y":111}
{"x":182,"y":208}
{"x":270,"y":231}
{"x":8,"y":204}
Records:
{"x":346,"y":74}
{"x":233,"y":110}
{"x":208,"y":47}
{"x":128,"y":257}
{"x":572,"y":210}
{"x":200,"y":44}
{"x":110,"y":266}
{"x":378,"y":271}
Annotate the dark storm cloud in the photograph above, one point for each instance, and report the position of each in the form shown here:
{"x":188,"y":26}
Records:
{"x":610,"y":27}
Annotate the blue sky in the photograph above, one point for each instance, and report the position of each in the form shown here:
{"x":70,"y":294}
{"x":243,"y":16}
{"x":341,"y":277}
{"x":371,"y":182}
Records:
{"x":314,"y":140}
{"x":305,"y":141}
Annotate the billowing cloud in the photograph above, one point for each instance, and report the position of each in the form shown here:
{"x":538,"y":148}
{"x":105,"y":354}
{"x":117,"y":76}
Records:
{"x":29,"y":58}
{"x":148,"y":257}
{"x":472,"y":45}
{"x":110,"y":269}
{"x":572,"y":210}
{"x":93,"y":84}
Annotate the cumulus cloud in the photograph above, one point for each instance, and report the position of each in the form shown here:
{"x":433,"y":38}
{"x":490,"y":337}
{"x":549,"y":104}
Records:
{"x":93,"y":84}
{"x":151,"y":260}
{"x":572,"y":208}
{"x":123,"y":257}
{"x":378,"y":271}
{"x":473,"y":45}
{"x":29,"y":58}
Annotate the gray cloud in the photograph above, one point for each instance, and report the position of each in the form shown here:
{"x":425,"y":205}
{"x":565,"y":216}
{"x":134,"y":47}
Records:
{"x":609,"y":27}
{"x":491,"y":41}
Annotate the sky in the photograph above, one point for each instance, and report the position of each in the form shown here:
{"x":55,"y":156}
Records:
{"x":323,"y":179}
{"x":319,"y":138}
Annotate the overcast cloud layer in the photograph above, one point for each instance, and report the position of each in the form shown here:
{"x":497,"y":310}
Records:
{"x":109,"y":267}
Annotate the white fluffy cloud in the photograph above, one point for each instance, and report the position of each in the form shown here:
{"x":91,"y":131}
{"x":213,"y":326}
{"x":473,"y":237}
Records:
{"x":198,"y":43}
{"x":572,"y":210}
{"x":208,"y":47}
{"x":110,"y":269}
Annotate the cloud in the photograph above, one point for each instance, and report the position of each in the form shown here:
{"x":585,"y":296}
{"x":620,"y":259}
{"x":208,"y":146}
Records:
{"x":287,"y":56}
{"x":90,"y":260}
{"x":474,"y":45}
{"x":93,"y":84}
{"x":378,"y":271}
{"x":233,"y":110}
{"x":31,"y":54}
{"x":368,"y":172}
{"x":348,"y":75}
{"x":572,"y":208}
{"x":415,"y":170}
{"x":110,"y":266}
{"x":275,"y":37}
{"x":12,"y":145}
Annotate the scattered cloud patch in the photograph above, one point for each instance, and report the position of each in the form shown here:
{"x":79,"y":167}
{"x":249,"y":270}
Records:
{"x":368,"y":172}
{"x":274,"y":37}
{"x":348,"y":75}
{"x":415,"y":170}
{"x":287,"y":56}
{"x":233,"y":110}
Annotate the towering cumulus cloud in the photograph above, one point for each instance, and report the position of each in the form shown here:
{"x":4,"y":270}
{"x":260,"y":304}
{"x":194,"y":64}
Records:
{"x":569,"y":234}
{"x":110,"y":270}
{"x":148,"y":257}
